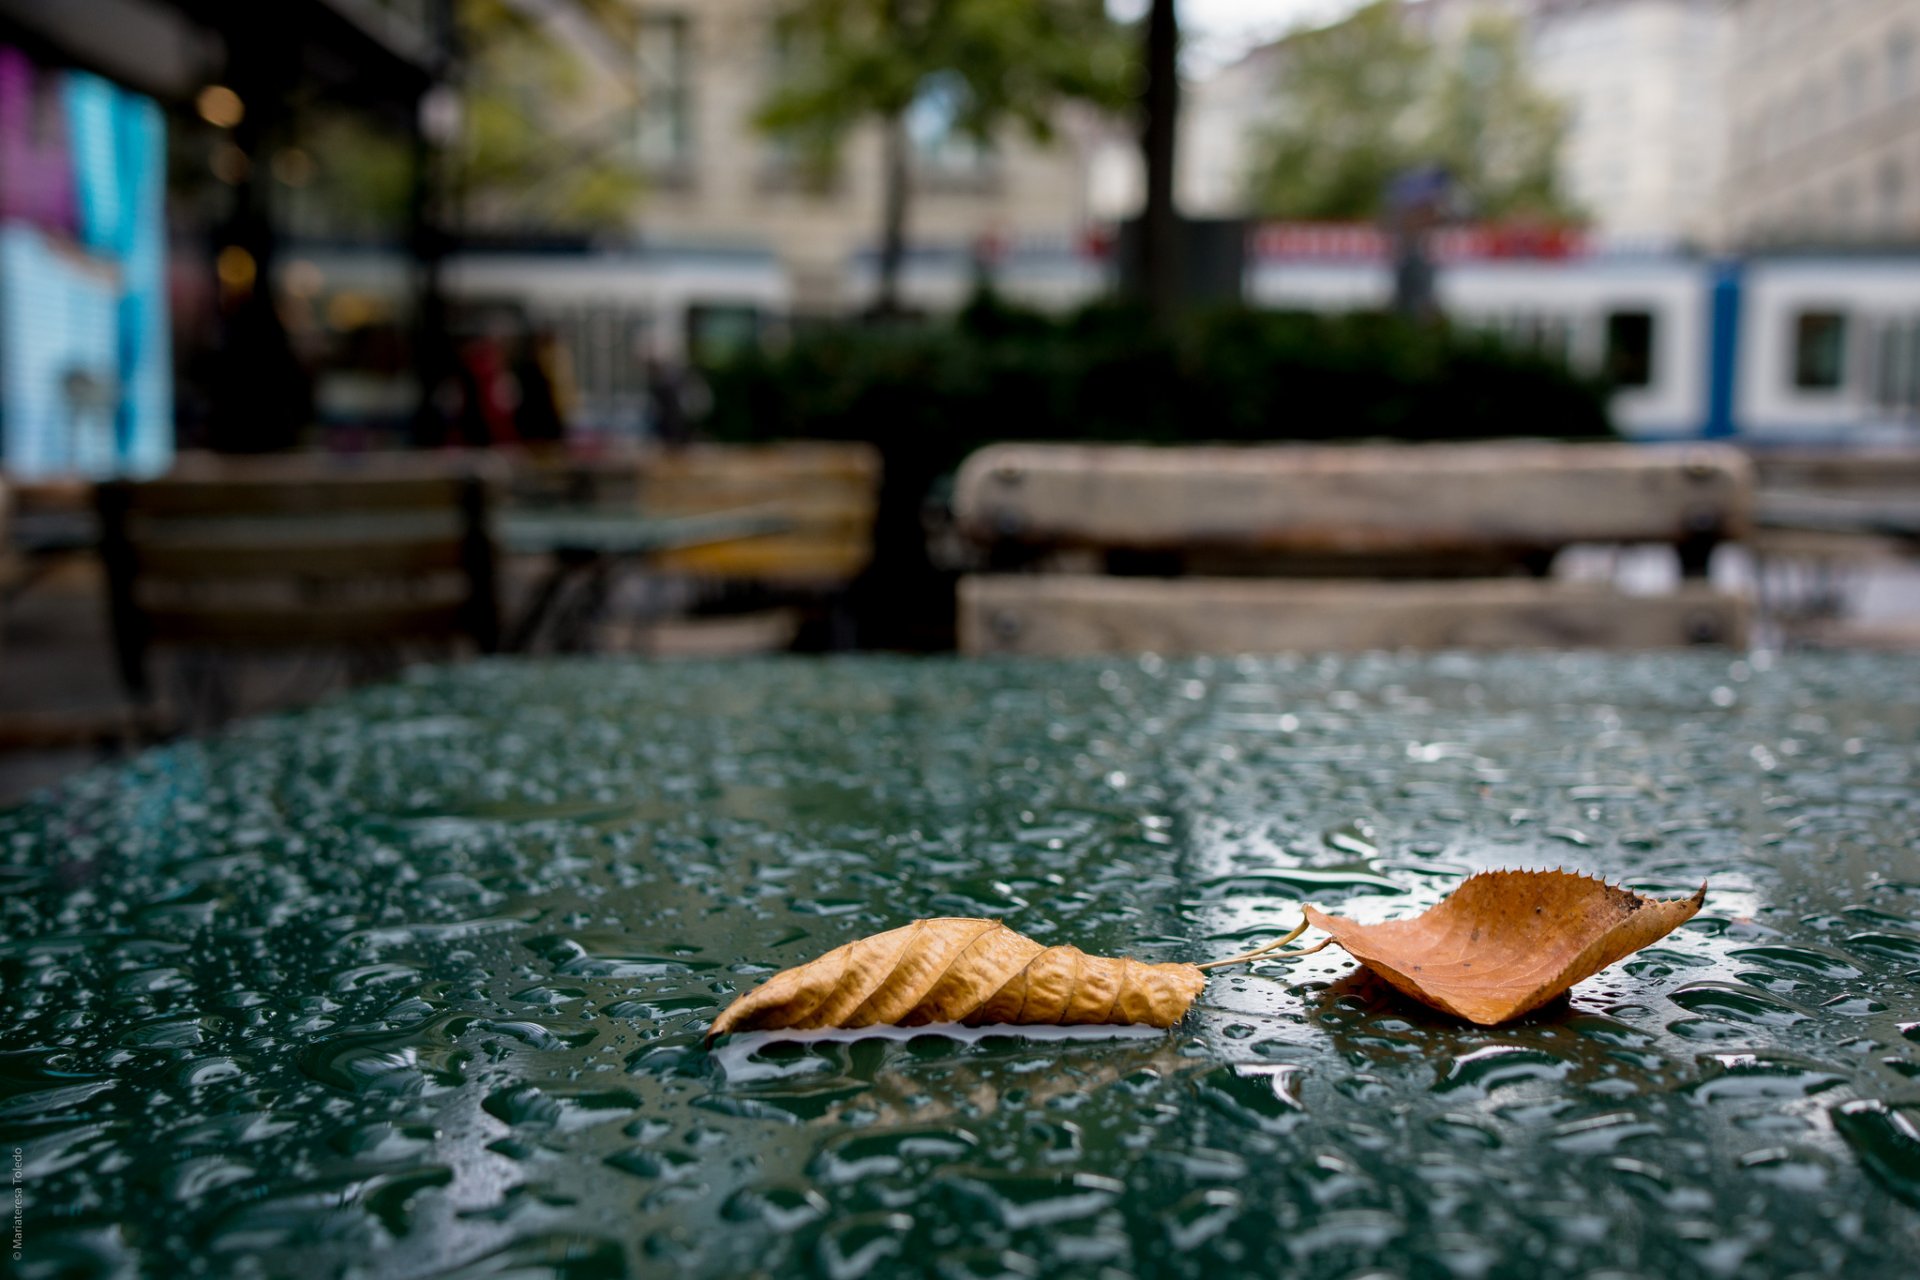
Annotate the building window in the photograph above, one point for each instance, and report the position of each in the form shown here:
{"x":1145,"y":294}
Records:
{"x":662,"y":58}
{"x":804,"y":160}
{"x":1856,"y":85}
{"x":1819,"y":350}
{"x":1845,"y":207}
{"x":1628,"y":355}
{"x":942,"y":147}
{"x":1899,"y":66}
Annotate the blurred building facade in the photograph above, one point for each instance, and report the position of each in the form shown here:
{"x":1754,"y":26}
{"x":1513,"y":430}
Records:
{"x":1220,"y":117}
{"x":1644,"y":82}
{"x":1824,"y":100}
{"x":713,"y":176}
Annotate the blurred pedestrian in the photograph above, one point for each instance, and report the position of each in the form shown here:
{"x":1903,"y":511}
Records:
{"x":487,"y":394}
{"x":668,"y":394}
{"x":537,"y":416}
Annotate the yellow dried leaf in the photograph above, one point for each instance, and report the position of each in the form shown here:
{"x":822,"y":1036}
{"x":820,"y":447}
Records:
{"x":1506,"y":942}
{"x":962,"y":970}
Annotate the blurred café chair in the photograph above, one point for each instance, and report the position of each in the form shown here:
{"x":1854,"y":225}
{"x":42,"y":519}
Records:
{"x":825,"y":494}
{"x":1117,"y":549}
{"x":294,"y":560}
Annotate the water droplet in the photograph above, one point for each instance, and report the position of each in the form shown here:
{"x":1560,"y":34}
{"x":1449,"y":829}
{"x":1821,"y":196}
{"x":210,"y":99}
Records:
{"x":1736,"y":1004}
{"x":1262,"y":1095}
{"x":1746,"y":1077}
{"x":1482,"y":1071}
{"x":556,"y":1107}
{"x":860,"y":1156}
{"x":853,"y":1247}
{"x":1887,"y":1142}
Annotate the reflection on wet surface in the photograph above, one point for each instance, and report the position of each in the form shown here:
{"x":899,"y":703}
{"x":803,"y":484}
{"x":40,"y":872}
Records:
{"x":414,"y":984}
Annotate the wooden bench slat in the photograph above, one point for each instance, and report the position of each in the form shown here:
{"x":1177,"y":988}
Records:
{"x":1359,"y":499}
{"x":209,"y":554}
{"x":293,"y":626}
{"x":1833,"y":470}
{"x":811,"y":511}
{"x":318,"y":494}
{"x":788,"y":458}
{"x":777,"y":558}
{"x":1082,"y":614}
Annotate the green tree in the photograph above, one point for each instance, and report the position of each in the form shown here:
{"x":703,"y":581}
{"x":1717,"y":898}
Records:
{"x":1369,"y":97}
{"x":547,"y":128}
{"x":998,"y":63}
{"x":1489,"y":124}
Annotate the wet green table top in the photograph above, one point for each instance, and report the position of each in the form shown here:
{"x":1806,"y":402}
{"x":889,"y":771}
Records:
{"x":414,"y":983}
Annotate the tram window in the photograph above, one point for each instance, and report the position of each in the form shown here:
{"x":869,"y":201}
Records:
{"x":1629,"y":351}
{"x":1897,"y":365}
{"x":1886,"y":366}
{"x":636,"y":347}
{"x":1913,"y":363}
{"x":1819,"y":350}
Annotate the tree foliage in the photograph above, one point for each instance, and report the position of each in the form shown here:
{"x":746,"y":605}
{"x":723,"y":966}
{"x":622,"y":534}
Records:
{"x":997,"y":64}
{"x":541,"y":146}
{"x":1367,"y":98}
{"x":850,"y":61}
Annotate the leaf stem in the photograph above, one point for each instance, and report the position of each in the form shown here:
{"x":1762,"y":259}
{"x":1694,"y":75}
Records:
{"x":1271,"y":951}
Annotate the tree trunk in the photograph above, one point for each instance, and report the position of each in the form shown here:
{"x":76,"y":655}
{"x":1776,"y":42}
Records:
{"x":1160,"y":221}
{"x":430,"y":225}
{"x":893,"y":215}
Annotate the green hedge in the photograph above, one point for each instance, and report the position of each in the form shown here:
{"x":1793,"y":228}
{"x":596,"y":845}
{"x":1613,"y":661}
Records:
{"x":996,"y":373}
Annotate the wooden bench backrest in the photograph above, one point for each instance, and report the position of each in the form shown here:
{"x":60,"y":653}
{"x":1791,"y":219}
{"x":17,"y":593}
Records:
{"x":1397,"y":512}
{"x":1355,"y":500}
{"x":1061,"y":615}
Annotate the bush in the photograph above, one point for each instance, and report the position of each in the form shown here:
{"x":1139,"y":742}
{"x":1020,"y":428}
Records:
{"x":994,"y":372}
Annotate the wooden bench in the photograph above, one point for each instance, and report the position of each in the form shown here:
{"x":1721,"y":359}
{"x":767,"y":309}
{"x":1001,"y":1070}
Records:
{"x":825,"y":492}
{"x":1415,"y":546}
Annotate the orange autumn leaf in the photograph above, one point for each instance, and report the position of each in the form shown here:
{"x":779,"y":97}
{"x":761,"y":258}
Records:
{"x":1506,"y":942}
{"x":956,"y":969}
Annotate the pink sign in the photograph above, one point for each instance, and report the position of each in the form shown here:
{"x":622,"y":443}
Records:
{"x":36,"y":174}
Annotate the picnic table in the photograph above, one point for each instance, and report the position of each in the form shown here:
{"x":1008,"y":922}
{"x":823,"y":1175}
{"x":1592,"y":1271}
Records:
{"x":414,"y":983}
